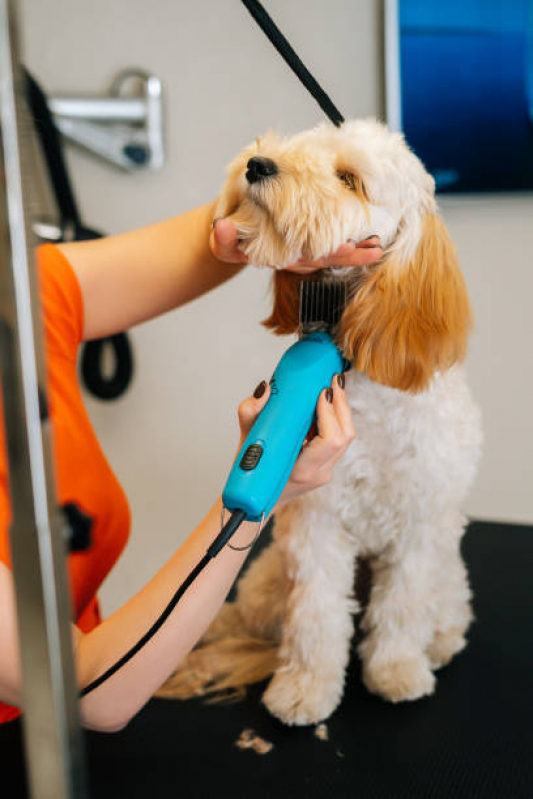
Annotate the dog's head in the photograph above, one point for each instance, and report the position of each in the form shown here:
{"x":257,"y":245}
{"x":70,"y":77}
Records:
{"x":306,"y":195}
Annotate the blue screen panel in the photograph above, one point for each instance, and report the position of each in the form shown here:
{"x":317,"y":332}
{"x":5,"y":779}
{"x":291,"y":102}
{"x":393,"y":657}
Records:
{"x":466,"y":86}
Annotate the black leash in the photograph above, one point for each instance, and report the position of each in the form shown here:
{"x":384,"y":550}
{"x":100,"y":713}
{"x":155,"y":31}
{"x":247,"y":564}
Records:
{"x":271,"y":30}
{"x":53,"y":155}
{"x":101,"y":385}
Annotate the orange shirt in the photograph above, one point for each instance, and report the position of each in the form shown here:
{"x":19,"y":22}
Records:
{"x":83,"y":474}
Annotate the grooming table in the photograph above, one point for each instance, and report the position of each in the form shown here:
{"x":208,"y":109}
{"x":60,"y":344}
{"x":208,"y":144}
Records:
{"x":473,"y":738}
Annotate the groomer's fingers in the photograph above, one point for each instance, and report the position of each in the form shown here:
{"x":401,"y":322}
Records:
{"x":335,"y":431}
{"x":342,"y":407}
{"x":371,"y":241}
{"x":224,"y":242}
{"x":327,"y":423}
{"x":328,"y":442}
{"x":349,"y":254}
{"x":313,"y":467}
{"x":344,"y":415}
{"x":251,"y":407}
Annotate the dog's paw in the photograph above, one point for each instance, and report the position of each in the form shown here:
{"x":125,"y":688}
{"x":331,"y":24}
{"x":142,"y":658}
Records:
{"x":400,"y":680}
{"x":445,"y":644}
{"x":299,"y":697}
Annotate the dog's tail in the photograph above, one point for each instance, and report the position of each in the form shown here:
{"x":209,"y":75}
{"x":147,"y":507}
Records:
{"x":222,"y":669}
{"x":226,"y":661}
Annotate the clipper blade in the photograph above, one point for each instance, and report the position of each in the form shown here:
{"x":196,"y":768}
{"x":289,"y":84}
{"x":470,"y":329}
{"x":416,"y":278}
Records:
{"x":322,"y":303}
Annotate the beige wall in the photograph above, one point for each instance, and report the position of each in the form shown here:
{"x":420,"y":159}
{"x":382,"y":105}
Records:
{"x":172,"y":437}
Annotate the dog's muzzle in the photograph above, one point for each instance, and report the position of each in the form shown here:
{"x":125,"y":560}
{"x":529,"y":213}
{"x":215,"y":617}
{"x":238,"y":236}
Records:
{"x":260,"y":168}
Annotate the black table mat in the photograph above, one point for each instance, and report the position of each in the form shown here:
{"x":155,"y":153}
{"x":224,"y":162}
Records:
{"x":472,"y":738}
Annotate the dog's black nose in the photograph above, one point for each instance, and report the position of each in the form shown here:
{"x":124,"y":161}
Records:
{"x":260,"y":168}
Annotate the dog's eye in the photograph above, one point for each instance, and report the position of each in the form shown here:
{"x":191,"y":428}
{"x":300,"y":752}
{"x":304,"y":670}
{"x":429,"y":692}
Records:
{"x":353,"y":183}
{"x":349,"y":179}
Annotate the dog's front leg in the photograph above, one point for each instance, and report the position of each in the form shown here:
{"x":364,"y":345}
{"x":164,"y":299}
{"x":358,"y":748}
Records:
{"x":399,"y":624}
{"x":308,"y":683}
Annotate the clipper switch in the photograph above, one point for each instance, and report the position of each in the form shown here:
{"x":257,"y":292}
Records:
{"x":251,"y":457}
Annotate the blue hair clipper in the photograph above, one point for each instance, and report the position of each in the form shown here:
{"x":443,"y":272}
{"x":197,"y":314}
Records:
{"x":266,"y":458}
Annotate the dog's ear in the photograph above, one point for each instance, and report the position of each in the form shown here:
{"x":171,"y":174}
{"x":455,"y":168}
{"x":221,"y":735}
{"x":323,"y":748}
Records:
{"x":285,"y":316}
{"x":410,"y":319}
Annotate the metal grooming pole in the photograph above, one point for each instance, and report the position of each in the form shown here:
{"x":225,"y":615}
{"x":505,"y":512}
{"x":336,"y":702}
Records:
{"x":52,"y":735}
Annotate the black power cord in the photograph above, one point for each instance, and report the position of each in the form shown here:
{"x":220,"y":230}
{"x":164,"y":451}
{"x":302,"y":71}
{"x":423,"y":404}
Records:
{"x":107,"y":387}
{"x":233,"y":523}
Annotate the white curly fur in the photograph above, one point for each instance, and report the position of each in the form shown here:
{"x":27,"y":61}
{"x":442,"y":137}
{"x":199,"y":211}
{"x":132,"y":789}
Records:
{"x":396,"y":495}
{"x":395,"y":498}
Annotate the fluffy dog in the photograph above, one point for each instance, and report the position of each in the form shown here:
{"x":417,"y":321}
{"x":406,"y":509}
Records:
{"x":395,"y":498}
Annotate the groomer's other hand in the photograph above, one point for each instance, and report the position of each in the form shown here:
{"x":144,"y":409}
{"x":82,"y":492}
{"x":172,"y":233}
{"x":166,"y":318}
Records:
{"x":335,"y":431}
{"x":349,"y":254}
{"x":224,"y":244}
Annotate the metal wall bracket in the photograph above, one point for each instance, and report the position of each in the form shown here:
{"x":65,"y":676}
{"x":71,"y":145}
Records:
{"x":125,"y":129}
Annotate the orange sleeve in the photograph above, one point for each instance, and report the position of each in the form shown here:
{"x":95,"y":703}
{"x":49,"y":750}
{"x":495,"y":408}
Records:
{"x":5,"y":517}
{"x":62,"y":303}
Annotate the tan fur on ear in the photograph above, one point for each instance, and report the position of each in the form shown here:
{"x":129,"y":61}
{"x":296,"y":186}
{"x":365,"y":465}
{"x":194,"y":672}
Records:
{"x":285,"y":314}
{"x":409,"y":320}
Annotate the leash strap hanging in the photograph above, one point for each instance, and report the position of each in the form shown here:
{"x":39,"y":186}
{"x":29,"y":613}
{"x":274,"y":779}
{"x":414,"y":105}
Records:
{"x":101,"y":385}
{"x":271,"y":30}
{"x":55,"y":162}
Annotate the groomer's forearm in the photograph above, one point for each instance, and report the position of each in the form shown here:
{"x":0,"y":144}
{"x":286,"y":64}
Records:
{"x":132,"y":277}
{"x":115,"y":702}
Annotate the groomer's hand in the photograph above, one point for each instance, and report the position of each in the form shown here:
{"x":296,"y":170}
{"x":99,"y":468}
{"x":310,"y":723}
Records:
{"x":225,"y":246}
{"x":334,"y":432}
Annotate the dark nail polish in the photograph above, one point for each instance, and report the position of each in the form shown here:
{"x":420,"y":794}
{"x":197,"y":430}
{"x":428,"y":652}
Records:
{"x":341,"y":380}
{"x":260,"y":390}
{"x":329,"y":394}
